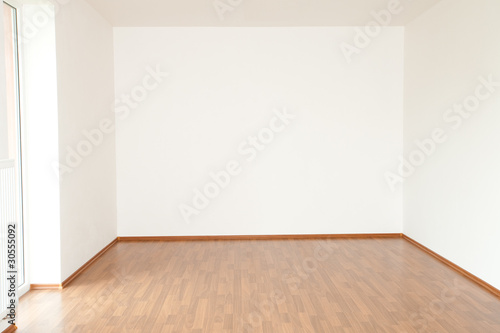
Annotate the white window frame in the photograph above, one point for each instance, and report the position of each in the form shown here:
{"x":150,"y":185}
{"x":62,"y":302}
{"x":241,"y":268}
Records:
{"x":25,"y":287}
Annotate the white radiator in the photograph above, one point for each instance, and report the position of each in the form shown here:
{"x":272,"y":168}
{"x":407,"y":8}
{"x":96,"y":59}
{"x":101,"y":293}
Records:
{"x":8,"y":214}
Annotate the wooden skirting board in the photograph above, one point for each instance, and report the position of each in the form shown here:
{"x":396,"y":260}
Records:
{"x":457,"y":268}
{"x":251,"y":237}
{"x":45,"y":286}
{"x":87,"y":264}
{"x":10,"y":329}
{"x":79,"y":271}
{"x":445,"y":261}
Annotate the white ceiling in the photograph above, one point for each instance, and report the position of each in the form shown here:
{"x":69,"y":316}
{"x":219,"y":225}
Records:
{"x":151,"y":13}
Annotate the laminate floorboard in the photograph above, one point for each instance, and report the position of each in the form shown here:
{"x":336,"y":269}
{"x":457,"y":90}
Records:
{"x":338,"y":285}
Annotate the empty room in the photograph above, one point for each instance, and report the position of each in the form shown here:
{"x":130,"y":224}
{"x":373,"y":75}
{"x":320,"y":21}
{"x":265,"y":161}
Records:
{"x":250,"y":166}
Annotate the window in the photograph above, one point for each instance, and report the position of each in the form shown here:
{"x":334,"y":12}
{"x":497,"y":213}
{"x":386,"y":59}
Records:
{"x":11,"y":198}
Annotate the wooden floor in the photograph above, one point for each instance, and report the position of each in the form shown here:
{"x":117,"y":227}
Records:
{"x":351,"y":285}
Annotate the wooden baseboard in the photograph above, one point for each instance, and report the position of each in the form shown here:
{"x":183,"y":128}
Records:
{"x":454,"y":266}
{"x":73,"y":276}
{"x":10,"y":329}
{"x":252,"y":237}
{"x":45,"y":286}
{"x":87,"y":264}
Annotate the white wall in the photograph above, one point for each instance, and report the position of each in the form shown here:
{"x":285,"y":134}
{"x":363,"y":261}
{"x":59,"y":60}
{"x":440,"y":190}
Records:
{"x":41,"y":149}
{"x":86,"y":88}
{"x":451,"y":203}
{"x":322,"y":174}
